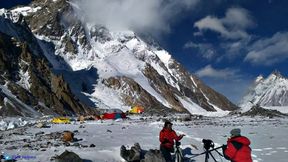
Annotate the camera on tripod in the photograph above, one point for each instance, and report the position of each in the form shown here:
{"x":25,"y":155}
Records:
{"x":207,"y":144}
{"x":209,"y":147}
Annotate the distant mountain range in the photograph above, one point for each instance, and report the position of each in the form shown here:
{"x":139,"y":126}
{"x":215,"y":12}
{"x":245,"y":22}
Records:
{"x":52,"y":61}
{"x":270,"y":92}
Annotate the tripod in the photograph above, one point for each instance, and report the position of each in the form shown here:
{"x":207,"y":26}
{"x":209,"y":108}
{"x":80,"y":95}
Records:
{"x":208,"y":153}
{"x":178,"y":153}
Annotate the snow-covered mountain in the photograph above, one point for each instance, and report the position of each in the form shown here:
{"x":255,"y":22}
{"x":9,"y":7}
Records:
{"x":103,"y":68}
{"x":270,"y":92}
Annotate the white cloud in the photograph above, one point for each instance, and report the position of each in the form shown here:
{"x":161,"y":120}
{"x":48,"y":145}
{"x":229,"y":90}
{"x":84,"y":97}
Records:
{"x":206,"y":50}
{"x":269,"y":50}
{"x":209,"y":71}
{"x":232,"y":26}
{"x":238,"y":18}
{"x":138,"y":15}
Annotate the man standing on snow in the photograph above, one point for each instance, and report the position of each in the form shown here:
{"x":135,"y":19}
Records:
{"x":167,"y":137}
{"x":237,"y":148}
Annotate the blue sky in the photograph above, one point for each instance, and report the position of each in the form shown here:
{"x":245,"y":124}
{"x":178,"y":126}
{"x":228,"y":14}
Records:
{"x":226,"y":43}
{"x":231,"y":42}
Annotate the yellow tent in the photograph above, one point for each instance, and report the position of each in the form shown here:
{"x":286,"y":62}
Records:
{"x":61,"y":120}
{"x":136,"y":110}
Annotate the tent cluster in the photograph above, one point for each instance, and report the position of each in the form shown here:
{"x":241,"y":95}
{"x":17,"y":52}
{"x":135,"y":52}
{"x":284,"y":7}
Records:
{"x":113,"y":114}
{"x":105,"y":114}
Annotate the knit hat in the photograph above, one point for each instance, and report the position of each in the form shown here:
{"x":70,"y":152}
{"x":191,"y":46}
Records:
{"x":167,"y":122}
{"x":235,"y":132}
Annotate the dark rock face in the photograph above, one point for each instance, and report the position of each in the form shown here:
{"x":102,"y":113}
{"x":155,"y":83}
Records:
{"x":133,"y":94}
{"x":159,"y":84}
{"x":47,"y":94}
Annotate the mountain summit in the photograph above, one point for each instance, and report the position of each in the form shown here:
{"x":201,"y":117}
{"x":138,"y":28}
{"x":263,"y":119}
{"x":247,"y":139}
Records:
{"x":88,"y":66}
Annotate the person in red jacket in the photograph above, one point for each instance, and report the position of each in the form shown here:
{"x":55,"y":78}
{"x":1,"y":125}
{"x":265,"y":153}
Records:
{"x":237,"y":148}
{"x":167,"y":137}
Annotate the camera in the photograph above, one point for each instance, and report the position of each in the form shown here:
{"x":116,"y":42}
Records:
{"x":207,"y":144}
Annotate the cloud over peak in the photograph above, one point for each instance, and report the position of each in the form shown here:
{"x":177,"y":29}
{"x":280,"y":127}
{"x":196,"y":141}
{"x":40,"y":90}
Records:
{"x":209,"y":71}
{"x":232,"y":26}
{"x":138,"y":15}
{"x":268,"y":51}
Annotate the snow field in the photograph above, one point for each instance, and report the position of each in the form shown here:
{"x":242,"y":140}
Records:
{"x":268,"y":138}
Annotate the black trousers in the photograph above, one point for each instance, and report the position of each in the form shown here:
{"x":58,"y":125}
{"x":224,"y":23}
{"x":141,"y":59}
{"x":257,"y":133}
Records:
{"x":166,"y":152}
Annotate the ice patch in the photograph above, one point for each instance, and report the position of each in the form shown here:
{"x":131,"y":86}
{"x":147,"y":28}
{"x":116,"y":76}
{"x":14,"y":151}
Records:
{"x":24,"y":79}
{"x":269,"y":148}
{"x":281,"y":148}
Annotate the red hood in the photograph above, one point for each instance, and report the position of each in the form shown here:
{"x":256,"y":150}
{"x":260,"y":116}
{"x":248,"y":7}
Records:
{"x":241,"y":139}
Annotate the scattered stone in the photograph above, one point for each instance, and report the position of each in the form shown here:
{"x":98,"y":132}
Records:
{"x":11,"y":148}
{"x":26,"y":145}
{"x":39,"y":133}
{"x":82,"y":126}
{"x":67,"y":156}
{"x":84,"y":146}
{"x":49,"y":143}
{"x":75,"y":131}
{"x":43,"y":150}
{"x":39,"y":125}
{"x":42,"y":125}
{"x":44,"y":146}
{"x":54,"y":135}
{"x":92,"y":145}
{"x":18,"y":133}
{"x":109,"y":131}
{"x":67,"y":136}
{"x":67,"y":144}
{"x":76,"y":144}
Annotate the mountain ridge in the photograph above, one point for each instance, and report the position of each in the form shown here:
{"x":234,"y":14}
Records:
{"x":123,"y":64}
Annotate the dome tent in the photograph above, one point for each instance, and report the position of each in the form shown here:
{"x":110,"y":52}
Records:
{"x":113,"y":114}
{"x":136,"y":110}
